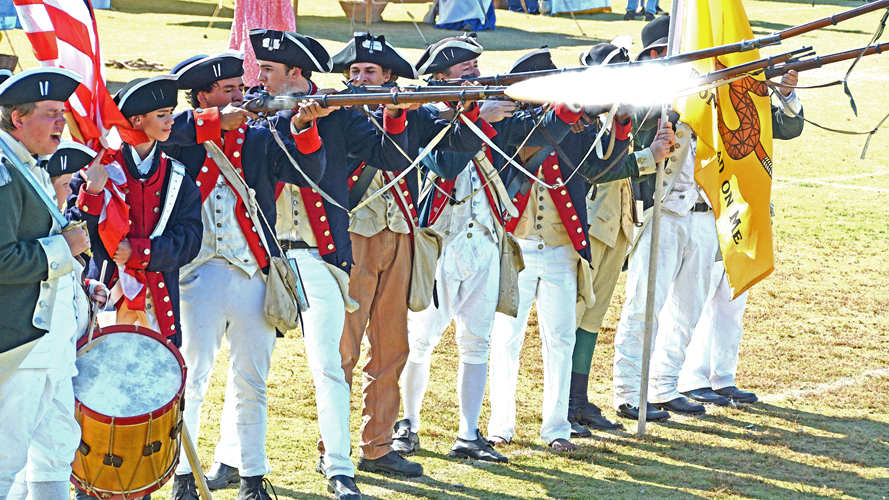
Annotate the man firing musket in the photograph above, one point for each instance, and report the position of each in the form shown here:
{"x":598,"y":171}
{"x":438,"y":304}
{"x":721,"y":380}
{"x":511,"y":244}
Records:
{"x":468,"y":213}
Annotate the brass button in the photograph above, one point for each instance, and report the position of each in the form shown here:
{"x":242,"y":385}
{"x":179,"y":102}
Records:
{"x":156,"y":210}
{"x":668,"y":170}
{"x":469,"y":235}
{"x":540,"y":246}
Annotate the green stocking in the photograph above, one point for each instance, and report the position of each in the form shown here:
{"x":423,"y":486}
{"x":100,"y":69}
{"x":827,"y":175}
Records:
{"x":583,"y":351}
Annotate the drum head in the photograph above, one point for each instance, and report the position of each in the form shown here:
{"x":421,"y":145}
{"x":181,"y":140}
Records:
{"x":126,"y":375}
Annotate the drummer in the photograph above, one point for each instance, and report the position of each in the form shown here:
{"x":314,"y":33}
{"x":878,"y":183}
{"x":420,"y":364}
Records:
{"x":38,"y":287}
{"x":144,"y":210}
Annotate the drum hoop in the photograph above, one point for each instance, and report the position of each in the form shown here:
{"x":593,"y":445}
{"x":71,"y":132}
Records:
{"x":116,"y":494}
{"x":145,"y":417}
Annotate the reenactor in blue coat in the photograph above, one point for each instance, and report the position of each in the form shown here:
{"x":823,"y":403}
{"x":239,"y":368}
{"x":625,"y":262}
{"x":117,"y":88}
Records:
{"x":158,"y":213}
{"x":314,"y":229}
{"x":222,"y":289}
{"x":467,"y":210}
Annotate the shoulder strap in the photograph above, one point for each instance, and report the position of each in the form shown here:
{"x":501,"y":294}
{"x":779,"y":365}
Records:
{"x":176,"y":176}
{"x":361,"y":185}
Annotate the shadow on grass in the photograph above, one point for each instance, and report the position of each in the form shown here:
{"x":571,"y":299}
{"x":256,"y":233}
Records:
{"x":710,"y":467}
{"x":557,"y":483}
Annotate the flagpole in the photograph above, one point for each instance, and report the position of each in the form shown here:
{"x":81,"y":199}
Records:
{"x":676,"y":15}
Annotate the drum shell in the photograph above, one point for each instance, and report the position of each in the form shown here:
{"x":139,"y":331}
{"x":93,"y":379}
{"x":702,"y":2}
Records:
{"x":132,"y":441}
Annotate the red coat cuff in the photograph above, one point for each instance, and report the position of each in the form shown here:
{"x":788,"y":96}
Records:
{"x":395,"y":125}
{"x":566,"y":114}
{"x":487,"y":128}
{"x":622,"y":130}
{"x":474,"y":113}
{"x":90,"y":203}
{"x":141,"y":253}
{"x":207,"y":125}
{"x":307,"y":141}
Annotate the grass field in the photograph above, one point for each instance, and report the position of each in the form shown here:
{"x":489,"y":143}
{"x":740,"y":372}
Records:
{"x":815,"y":347}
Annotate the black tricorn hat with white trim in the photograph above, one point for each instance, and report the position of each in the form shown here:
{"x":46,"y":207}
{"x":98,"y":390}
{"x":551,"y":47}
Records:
{"x":144,"y":95}
{"x":39,"y":84}
{"x":445,"y":53}
{"x":604,"y":53}
{"x":366,"y":48}
{"x":200,"y":71}
{"x":292,"y":49}
{"x":69,"y":158}
{"x":536,"y":60}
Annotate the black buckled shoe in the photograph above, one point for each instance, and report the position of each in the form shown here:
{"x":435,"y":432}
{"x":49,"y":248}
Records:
{"x":681,"y":406}
{"x":590,"y":415}
{"x":577,"y":430}
{"x":651,"y":415}
{"x":184,"y":487}
{"x":405,"y":442}
{"x":706,"y":396}
{"x":222,"y":475}
{"x":738,"y":396}
{"x":477,"y":449}
{"x":254,"y":488}
{"x":391,"y":463}
{"x":343,"y":488}
{"x":629,"y":16}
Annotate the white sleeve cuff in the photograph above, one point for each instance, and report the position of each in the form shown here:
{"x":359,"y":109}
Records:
{"x":791,"y":103}
{"x":59,"y":260}
{"x":298,"y":132}
{"x":645,"y":162}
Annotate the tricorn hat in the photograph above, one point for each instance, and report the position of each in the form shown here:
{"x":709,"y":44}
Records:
{"x":445,"y":53}
{"x":69,"y":158}
{"x":655,"y":35}
{"x":144,"y":95}
{"x":366,"y":48}
{"x":604,"y":53}
{"x":39,"y":84}
{"x":292,"y":49}
{"x":200,"y":71}
{"x":536,"y":60}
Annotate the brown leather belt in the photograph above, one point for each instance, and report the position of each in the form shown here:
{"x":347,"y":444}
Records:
{"x":294,"y":245}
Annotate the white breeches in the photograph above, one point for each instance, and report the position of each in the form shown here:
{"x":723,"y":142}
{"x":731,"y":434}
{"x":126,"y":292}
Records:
{"x":219,"y":299}
{"x":712,"y":359}
{"x":468,"y":284}
{"x":686,"y":252}
{"x":324,"y":322}
{"x":550,"y":278}
{"x":37,"y":427}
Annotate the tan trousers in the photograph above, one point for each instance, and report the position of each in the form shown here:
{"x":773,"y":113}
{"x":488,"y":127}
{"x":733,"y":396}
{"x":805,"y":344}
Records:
{"x":607,"y":263}
{"x":379,"y":281}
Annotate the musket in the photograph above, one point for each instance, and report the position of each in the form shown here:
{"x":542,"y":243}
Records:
{"x":742,"y":46}
{"x":818,"y":61}
{"x":264,"y":103}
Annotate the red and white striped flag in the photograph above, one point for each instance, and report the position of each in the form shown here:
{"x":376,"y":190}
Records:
{"x":63,"y":34}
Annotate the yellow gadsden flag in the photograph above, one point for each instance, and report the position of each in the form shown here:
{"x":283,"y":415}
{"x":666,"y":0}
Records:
{"x":734,"y":149}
